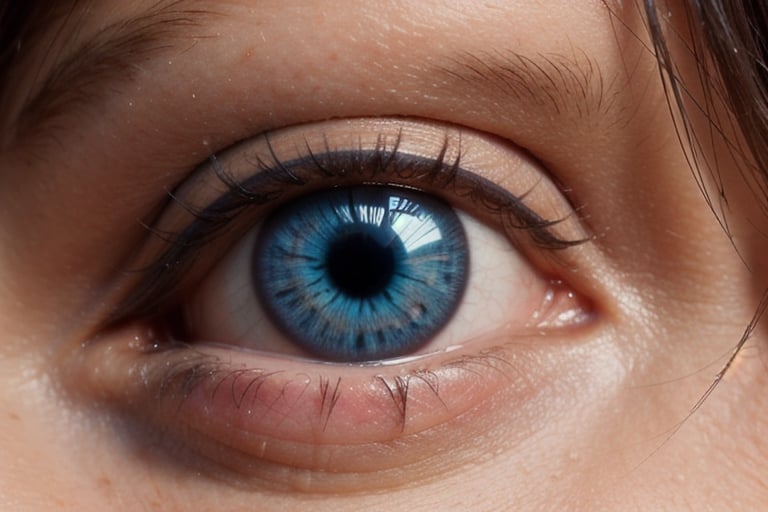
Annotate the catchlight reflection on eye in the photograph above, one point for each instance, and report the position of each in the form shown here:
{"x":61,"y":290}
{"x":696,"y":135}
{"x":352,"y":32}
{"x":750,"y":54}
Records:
{"x":361,"y":273}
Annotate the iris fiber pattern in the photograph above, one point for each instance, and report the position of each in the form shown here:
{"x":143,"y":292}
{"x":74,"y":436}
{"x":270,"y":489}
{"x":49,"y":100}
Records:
{"x":361,"y":273}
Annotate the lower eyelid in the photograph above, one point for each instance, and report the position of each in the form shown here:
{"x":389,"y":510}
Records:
{"x":298,"y":402}
{"x":308,"y":417}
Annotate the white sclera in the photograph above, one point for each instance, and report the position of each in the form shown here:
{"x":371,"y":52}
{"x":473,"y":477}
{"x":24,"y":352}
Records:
{"x":502,"y":296}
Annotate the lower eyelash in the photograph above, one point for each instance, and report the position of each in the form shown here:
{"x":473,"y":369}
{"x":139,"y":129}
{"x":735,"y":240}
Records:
{"x":190,"y":373}
{"x":181,"y":379}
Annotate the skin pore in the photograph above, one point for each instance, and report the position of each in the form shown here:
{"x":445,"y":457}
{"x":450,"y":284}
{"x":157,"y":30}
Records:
{"x":570,"y":390}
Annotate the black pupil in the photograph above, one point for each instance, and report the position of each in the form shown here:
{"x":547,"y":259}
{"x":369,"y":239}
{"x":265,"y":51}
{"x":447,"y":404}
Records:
{"x":359,"y":265}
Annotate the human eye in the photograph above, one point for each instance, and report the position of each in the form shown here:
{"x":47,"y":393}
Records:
{"x":315,"y":301}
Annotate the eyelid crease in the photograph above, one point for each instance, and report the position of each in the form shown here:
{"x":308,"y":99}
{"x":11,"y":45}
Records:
{"x":268,"y":182}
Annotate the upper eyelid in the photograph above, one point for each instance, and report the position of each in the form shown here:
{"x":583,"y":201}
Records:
{"x":266,"y":182}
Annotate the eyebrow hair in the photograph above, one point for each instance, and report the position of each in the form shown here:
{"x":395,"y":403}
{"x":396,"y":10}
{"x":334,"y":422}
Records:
{"x":113,"y":55}
{"x":567,"y":87}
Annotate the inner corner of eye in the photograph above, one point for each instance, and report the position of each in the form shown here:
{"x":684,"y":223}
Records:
{"x":562,"y":307}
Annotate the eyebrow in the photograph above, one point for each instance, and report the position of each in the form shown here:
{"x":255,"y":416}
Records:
{"x":572,"y":87}
{"x":115,"y":54}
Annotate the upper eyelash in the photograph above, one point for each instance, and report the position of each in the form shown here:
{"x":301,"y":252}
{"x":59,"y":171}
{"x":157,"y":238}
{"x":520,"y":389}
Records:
{"x":269,"y":183}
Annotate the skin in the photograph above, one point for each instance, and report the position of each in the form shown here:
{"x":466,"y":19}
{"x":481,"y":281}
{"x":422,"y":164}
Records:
{"x":592,"y":416}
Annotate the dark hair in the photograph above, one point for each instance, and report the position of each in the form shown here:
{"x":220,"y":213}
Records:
{"x":15,"y":23}
{"x":733,"y":34}
{"x":731,"y":53}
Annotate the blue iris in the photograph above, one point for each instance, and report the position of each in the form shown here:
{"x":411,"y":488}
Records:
{"x":361,"y":273}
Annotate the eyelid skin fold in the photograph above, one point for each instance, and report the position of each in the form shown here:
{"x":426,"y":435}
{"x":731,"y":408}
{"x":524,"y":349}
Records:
{"x":481,"y":174}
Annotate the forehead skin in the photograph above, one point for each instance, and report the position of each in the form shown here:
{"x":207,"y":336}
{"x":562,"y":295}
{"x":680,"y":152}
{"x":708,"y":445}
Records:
{"x":119,"y":105}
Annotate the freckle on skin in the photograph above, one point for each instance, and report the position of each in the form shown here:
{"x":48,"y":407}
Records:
{"x":333,"y":57}
{"x":246,"y":56}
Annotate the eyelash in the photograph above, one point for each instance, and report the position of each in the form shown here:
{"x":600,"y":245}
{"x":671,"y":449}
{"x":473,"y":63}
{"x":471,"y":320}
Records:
{"x":266,"y":187}
{"x":181,"y":376}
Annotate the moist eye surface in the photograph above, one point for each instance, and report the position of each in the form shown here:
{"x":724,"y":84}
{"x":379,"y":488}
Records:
{"x":361,"y":273}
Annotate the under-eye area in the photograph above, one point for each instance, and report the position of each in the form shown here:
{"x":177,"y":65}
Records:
{"x":326,"y":298}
